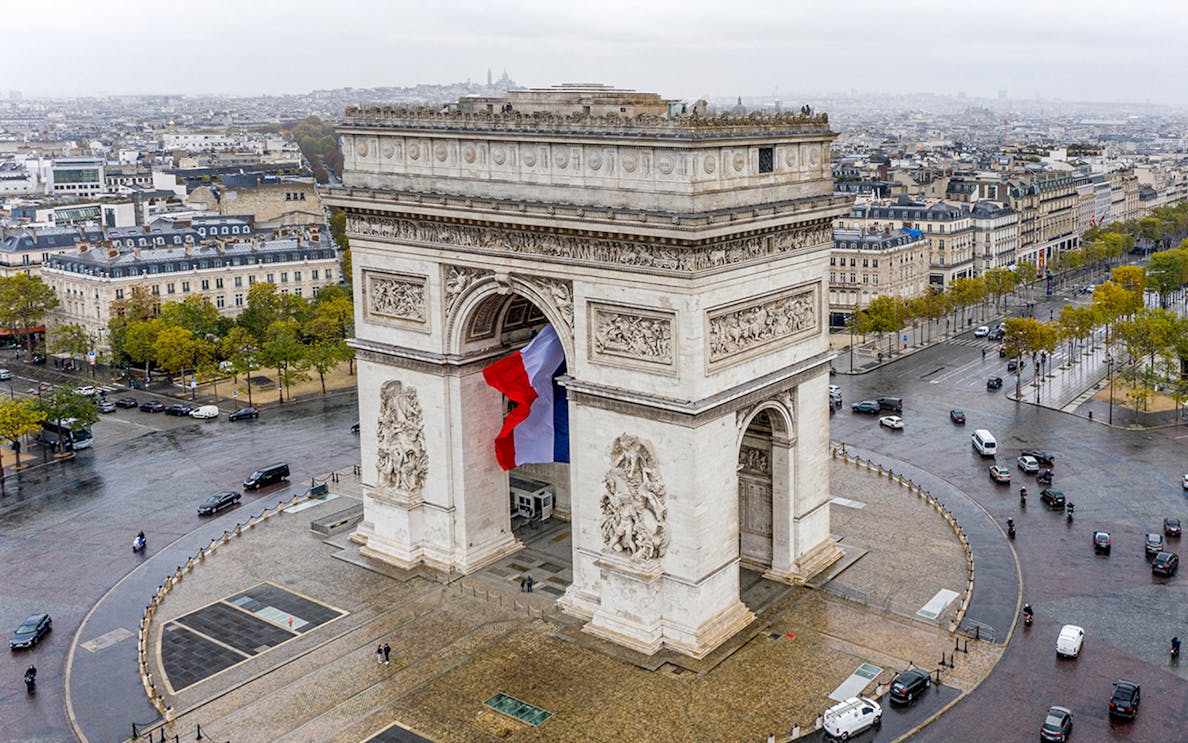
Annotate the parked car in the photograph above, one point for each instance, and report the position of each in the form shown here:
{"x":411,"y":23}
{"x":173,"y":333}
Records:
{"x":218,"y":502}
{"x":85,"y":389}
{"x":1125,"y":702}
{"x":1184,"y":482}
{"x":106,"y":406}
{"x":266,"y":476}
{"x":1057,"y":724}
{"x":894,"y":422}
{"x":1000,"y":474}
{"x":1171,"y":527}
{"x":5,"y":375}
{"x":127,"y":402}
{"x":179,"y":409}
{"x":31,"y":631}
{"x":1052,"y":498}
{"x":205,"y":412}
{"x":957,"y":416}
{"x":1027,"y":464}
{"x":852,"y":716}
{"x":994,"y":383}
{"x":244,"y":414}
{"x":1101,"y":542}
{"x":1153,"y":544}
{"x":891,"y":404}
{"x":910,"y":684}
{"x":1046,"y":458}
{"x":870,"y":407}
{"x":355,"y":427}
{"x":1069,"y":641}
{"x":981,"y":331}
{"x":1165,"y":563}
{"x":152,"y":406}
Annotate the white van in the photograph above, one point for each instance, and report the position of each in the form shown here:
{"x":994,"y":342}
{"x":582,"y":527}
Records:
{"x":852,"y":716}
{"x":984,"y":443}
{"x":5,"y":374}
{"x":205,"y":412}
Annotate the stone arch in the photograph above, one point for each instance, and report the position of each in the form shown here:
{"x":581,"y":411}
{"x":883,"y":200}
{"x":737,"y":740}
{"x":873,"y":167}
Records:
{"x":487,"y":300}
{"x":766,"y":437}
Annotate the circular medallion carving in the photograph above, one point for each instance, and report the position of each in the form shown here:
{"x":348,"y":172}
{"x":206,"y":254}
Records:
{"x":441,"y":152}
{"x":498,"y":155}
{"x":361,"y":148}
{"x":561,"y":159}
{"x":389,"y":150}
{"x":414,"y":151}
{"x":739,"y":162}
{"x":529,"y":159}
{"x":814,"y":156}
{"x":630,"y":163}
{"x":790,"y":157}
{"x":710,"y":163}
{"x":469,"y":154}
{"x":595,"y":161}
{"x":664,"y":164}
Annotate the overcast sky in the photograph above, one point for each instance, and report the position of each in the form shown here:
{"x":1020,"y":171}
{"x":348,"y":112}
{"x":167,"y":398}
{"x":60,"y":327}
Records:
{"x":1084,"y":50}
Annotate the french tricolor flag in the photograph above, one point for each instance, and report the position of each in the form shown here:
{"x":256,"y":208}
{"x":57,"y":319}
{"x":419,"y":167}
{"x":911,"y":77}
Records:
{"x":537,"y":428}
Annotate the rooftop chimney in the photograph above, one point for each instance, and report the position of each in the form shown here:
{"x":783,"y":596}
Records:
{"x":136,"y":252}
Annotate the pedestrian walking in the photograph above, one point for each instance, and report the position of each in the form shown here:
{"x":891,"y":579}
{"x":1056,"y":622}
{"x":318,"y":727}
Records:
{"x":530,"y":582}
{"x":387,"y":652}
{"x":983,"y":354}
{"x":379,"y":654}
{"x":523,"y":584}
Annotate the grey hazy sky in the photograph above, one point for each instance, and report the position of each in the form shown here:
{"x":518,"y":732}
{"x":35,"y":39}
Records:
{"x":1084,"y":50}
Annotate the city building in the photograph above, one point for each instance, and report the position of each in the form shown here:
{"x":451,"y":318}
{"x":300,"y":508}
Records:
{"x":947,"y":227}
{"x":270,"y":205}
{"x":996,"y":235}
{"x":1047,"y":207}
{"x":867,"y":263}
{"x":26,"y":250}
{"x":77,"y":176}
{"x":90,"y":277}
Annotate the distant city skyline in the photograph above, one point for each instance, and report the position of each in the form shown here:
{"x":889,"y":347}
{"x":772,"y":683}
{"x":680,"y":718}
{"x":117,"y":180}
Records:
{"x":749,"y":48}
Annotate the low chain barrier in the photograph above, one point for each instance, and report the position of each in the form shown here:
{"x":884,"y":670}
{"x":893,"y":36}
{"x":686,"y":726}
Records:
{"x":838,"y":450}
{"x":498,"y":597}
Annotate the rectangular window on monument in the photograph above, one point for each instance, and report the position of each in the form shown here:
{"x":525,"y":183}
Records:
{"x":536,"y":428}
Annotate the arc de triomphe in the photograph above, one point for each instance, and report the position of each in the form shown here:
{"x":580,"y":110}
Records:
{"x":681,"y":258}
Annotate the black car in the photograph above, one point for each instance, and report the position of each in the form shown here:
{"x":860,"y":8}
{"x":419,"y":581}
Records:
{"x":355,"y":427}
{"x":218,"y":502}
{"x":127,"y":402}
{"x":1153,"y":544}
{"x":1052,"y":498}
{"x":1013,"y":365}
{"x":1045,"y":458}
{"x":1165,"y":563}
{"x":910,"y":684}
{"x":1101,"y":542}
{"x":870,"y":407}
{"x":1171,"y":527}
{"x":179,"y":409}
{"x":152,"y":406}
{"x":31,"y":630}
{"x":38,"y":358}
{"x":1125,"y":701}
{"x":957,"y":416}
{"x":994,"y":383}
{"x":891,"y":404}
{"x":1057,"y":724}
{"x":244,"y":414}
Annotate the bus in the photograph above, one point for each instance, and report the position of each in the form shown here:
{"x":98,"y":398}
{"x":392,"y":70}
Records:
{"x":65,"y":434}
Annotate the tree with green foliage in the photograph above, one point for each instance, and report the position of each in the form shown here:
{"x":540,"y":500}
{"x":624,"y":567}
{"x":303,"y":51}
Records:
{"x":24,"y":302}
{"x":886,"y":316}
{"x":176,"y":349}
{"x":63,"y":403}
{"x":18,"y":418}
{"x":70,"y":339}
{"x":999,"y":282}
{"x":284,"y":351}
{"x":241,"y":349}
{"x":197,"y":314}
{"x":1167,"y":272}
{"x":140,"y":341}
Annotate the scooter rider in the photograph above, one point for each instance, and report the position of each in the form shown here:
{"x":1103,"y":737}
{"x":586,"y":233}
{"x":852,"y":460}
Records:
{"x":31,"y":677}
{"x":1176,"y":646}
{"x":1027,"y":613}
{"x":1011,"y":528}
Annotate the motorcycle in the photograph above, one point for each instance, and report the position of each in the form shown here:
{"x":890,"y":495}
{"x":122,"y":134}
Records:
{"x":139,"y":543}
{"x":1011,"y":528}
{"x":1175,"y":648}
{"x":1027,"y":615}
{"x":1023,"y":497}
{"x":30,"y":679}
{"x":1068,"y":511}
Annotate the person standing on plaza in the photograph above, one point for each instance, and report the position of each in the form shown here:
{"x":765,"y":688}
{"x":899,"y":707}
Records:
{"x":530,"y":582}
{"x":387,"y":652}
{"x":379,"y":654}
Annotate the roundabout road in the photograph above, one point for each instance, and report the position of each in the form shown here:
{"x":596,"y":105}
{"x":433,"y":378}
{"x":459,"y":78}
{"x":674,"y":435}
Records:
{"x":1122,"y":481}
{"x":66,"y":531}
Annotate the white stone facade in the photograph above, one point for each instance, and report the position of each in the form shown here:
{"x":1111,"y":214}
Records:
{"x":682,"y":262}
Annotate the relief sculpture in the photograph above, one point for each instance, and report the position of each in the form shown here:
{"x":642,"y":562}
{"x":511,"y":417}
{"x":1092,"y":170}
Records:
{"x":457,"y":280}
{"x":620,"y":253}
{"x":560,"y":295}
{"x":754,"y":460}
{"x":389,"y":296}
{"x":633,"y":510}
{"x":736,"y":331}
{"x":632,"y":336}
{"x":401,"y":460}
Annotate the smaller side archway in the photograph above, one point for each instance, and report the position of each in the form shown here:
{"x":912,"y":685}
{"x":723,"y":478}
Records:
{"x":766,"y":441}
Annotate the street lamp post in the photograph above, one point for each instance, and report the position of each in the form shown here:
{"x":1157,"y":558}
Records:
{"x":1110,"y":375}
{"x":851,"y":344}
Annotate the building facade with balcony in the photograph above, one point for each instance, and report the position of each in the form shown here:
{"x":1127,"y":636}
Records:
{"x":947,"y":227}
{"x":867,"y":263}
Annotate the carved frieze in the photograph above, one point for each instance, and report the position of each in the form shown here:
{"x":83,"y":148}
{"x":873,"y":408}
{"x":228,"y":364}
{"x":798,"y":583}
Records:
{"x":395,"y":296}
{"x":738,"y":330}
{"x":754,"y":460}
{"x":559,"y":293}
{"x":401,"y":460}
{"x":457,"y":279}
{"x":630,"y":336}
{"x":619,"y":253}
{"x":634,"y":515}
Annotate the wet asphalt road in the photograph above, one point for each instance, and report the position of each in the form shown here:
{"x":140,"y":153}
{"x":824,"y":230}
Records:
{"x":66,"y":530}
{"x":1122,"y":481}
